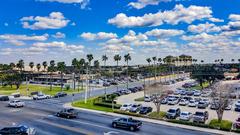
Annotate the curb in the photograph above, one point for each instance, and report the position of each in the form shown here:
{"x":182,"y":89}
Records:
{"x":213,"y":131}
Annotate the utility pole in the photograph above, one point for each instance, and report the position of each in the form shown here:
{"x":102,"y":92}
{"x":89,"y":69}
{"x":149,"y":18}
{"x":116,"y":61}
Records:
{"x":86,"y":90}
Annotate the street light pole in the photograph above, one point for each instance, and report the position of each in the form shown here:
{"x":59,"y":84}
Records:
{"x":86,"y":90}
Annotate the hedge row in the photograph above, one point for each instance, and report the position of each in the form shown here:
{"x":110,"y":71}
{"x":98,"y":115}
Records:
{"x":189,"y":123}
{"x":108,"y":105}
{"x":223,"y":125}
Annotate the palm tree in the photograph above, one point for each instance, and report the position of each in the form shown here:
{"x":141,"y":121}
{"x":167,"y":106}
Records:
{"x":20,"y":65}
{"x":75,"y":65}
{"x":31,"y":65}
{"x":12,"y":65}
{"x":117,"y":58}
{"x":44,"y":64}
{"x":89,"y":58}
{"x":160,"y":60}
{"x":38,"y":66}
{"x":127,"y":58}
{"x":61,"y":67}
{"x":104,"y":58}
{"x":155,"y":69}
{"x":149,"y":61}
{"x":51,"y":69}
{"x":96,"y":64}
{"x":81,"y":67}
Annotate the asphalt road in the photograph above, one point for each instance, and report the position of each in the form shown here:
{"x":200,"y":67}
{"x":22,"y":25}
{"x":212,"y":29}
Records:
{"x":41,"y":116}
{"x":46,"y":123}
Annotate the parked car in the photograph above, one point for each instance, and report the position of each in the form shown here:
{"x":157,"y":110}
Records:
{"x":164,"y":101}
{"x":16,"y":103}
{"x":228,"y":107}
{"x":237,"y":106}
{"x":192,"y":103}
{"x":125,"y":107}
{"x":214,"y":106}
{"x":200,"y":117}
{"x":18,"y":130}
{"x":185,"y":116}
{"x":173,"y":113}
{"x":67,"y":113}
{"x":183,"y":102}
{"x":4,"y":98}
{"x":127,"y":123}
{"x":172,"y":101}
{"x":60,"y":94}
{"x":147,"y":99}
{"x":41,"y":96}
{"x":190,"y":93}
{"x":202,"y":105}
{"x":236,"y":124}
{"x":135,"y":108}
{"x":197,"y":93}
{"x":145,"y":110}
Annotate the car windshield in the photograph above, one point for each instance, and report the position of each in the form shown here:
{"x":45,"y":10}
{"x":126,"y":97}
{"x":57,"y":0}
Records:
{"x":125,"y":105}
{"x":134,"y":106}
{"x":144,"y":107}
{"x":172,"y":111}
{"x":184,"y":113}
{"x":199,"y":113}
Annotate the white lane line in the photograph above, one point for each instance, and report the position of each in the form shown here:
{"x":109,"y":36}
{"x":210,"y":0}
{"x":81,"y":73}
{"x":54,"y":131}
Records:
{"x":94,"y":125}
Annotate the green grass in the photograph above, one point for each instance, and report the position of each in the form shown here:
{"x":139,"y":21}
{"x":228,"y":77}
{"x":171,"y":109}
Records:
{"x":223,"y":125}
{"x":156,"y":115}
{"x":7,"y":90}
{"x":198,"y":87}
{"x":139,"y":99}
{"x":90,"y":105}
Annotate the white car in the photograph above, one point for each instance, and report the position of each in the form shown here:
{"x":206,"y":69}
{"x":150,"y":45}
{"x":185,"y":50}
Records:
{"x":192,"y":103}
{"x":41,"y":96}
{"x":147,"y":99}
{"x":183,"y":102}
{"x":125,"y":107}
{"x":16,"y":103}
{"x":185,"y":116}
{"x":172,"y":101}
{"x":197,"y":93}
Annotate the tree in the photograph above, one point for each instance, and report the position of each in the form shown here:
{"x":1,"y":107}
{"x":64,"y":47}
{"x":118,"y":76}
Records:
{"x":117,"y":58}
{"x":221,"y":97}
{"x":104,"y":59}
{"x":12,"y":65}
{"x":155,"y":69}
{"x":20,"y":65}
{"x":75,"y":66}
{"x":96,"y":64}
{"x":61,"y":67}
{"x":149,"y":61}
{"x":89,"y":58}
{"x":38,"y":66}
{"x":81,"y":67}
{"x":44,"y":64}
{"x":31,"y":65}
{"x":127,"y":58}
{"x":51,"y":69}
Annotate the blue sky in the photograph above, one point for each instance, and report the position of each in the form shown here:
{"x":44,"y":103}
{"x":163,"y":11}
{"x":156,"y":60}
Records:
{"x":38,"y":30}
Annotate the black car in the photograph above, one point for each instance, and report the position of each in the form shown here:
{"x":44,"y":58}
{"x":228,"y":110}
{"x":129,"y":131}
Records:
{"x":60,"y":94}
{"x":145,"y":110}
{"x":133,"y":90}
{"x":67,"y":113}
{"x":190,"y":93}
{"x":127,"y":123}
{"x":4,"y":98}
{"x":18,"y":130}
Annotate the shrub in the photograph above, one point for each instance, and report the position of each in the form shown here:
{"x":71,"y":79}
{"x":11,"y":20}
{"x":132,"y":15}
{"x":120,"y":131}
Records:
{"x":67,"y":87}
{"x":189,"y":123}
{"x":139,"y":99}
{"x":226,"y":125}
{"x":127,"y":113}
{"x":223,"y":125}
{"x":155,"y":115}
{"x":108,"y":105}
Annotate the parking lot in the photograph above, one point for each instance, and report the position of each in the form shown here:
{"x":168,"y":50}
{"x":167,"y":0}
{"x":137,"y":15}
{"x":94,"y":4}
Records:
{"x":228,"y":114}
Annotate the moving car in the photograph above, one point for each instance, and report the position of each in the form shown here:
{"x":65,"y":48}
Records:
{"x":125,"y":107}
{"x":183,"y":102}
{"x":127,"y":123}
{"x":185,"y":116}
{"x":16,"y":103}
{"x":67,"y":113}
{"x":135,"y":108}
{"x":200,"y":117}
{"x":18,"y":130}
{"x":60,"y":94}
{"x":173,"y":113}
{"x":145,"y":110}
{"x":41,"y":96}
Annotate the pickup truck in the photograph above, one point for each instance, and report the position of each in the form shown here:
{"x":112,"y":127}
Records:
{"x":127,"y":123}
{"x":200,"y":117}
{"x":67,"y":113}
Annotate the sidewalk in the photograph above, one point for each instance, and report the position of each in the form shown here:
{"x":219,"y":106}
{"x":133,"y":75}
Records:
{"x":213,"y":131}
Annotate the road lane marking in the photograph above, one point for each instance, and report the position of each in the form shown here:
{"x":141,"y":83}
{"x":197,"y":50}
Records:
{"x":77,"y":130}
{"x":94,"y":125}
